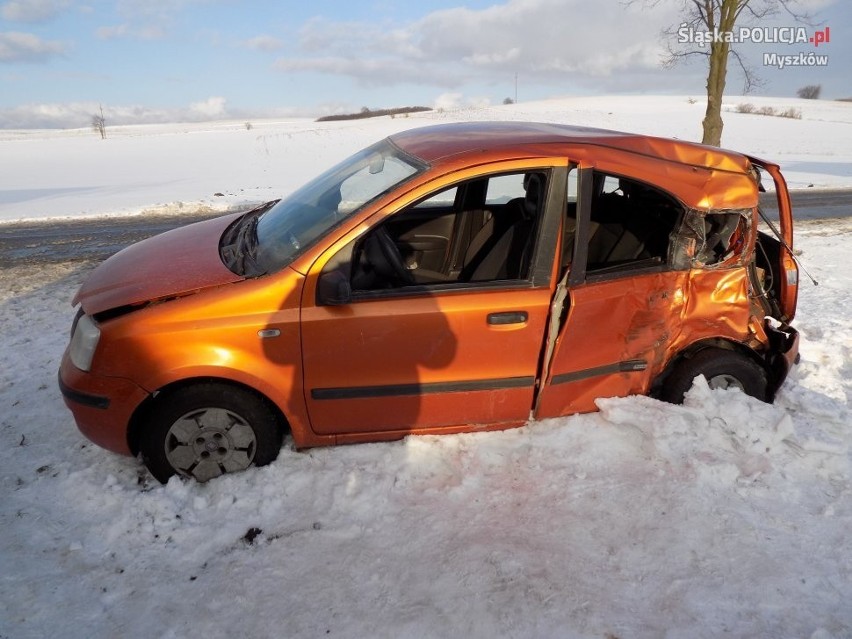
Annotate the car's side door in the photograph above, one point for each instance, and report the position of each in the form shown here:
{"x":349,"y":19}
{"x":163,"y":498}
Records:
{"x":621,"y":299}
{"x":430,"y":355}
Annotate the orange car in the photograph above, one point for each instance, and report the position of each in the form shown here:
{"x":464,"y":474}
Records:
{"x":452,"y":278}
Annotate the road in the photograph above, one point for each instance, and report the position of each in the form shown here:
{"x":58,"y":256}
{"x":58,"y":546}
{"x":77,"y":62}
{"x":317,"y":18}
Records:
{"x":68,"y":240}
{"x":54,"y":241}
{"x":813,"y":204}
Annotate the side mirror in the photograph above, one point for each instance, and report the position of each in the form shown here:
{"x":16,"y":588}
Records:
{"x":333,"y":289}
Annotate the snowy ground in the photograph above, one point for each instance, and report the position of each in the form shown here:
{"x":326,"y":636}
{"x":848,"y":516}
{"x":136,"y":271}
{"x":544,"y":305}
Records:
{"x":722,"y":517}
{"x":171,"y":168}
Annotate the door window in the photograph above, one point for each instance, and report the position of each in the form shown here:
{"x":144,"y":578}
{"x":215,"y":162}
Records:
{"x":488,"y":231}
{"x":631,"y":224}
{"x":442,"y":199}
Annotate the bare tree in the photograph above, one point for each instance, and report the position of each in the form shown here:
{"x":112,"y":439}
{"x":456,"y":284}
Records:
{"x":810,"y":92}
{"x":99,"y":123}
{"x":719,"y":17}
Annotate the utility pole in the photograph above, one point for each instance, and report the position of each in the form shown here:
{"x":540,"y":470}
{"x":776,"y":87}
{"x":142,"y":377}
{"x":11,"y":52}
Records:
{"x":516,"y":87}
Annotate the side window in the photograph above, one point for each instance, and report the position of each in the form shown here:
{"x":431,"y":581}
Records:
{"x":481,"y":230}
{"x":442,"y":199}
{"x":504,"y":188}
{"x":631,"y":224}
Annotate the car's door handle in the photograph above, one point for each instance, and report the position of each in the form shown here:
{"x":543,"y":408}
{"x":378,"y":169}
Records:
{"x":509,"y":317}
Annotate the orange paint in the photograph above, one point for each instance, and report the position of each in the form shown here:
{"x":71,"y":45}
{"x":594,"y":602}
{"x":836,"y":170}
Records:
{"x":448,"y":355}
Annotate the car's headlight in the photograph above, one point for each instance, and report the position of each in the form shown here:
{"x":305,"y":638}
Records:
{"x":83,"y":342}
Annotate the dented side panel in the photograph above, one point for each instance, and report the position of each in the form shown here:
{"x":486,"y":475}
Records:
{"x":620,"y":334}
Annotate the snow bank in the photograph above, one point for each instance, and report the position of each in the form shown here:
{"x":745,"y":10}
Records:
{"x":223,"y":165}
{"x":724,"y":516}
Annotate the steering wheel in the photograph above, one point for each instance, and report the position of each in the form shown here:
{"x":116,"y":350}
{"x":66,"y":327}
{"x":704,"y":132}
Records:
{"x":393,"y":266}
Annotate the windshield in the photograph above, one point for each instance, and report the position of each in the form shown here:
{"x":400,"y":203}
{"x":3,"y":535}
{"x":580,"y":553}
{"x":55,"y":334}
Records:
{"x":298,"y":220}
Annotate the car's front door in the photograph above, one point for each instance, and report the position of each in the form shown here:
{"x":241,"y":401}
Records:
{"x":435,"y":355}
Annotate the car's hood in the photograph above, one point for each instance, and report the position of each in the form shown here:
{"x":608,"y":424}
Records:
{"x":174,"y":263}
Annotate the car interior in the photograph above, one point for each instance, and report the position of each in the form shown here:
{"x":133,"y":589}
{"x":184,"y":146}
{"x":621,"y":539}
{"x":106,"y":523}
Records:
{"x":484,"y":230}
{"x":630,"y":222}
{"x":477,"y":231}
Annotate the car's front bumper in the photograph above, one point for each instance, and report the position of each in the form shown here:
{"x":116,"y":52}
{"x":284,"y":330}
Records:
{"x":102,"y":406}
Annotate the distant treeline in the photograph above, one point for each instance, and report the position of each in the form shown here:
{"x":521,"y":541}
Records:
{"x":372,"y":113}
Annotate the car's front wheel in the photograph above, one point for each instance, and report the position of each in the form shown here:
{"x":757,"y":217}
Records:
{"x":721,"y":368}
{"x":206,"y":430}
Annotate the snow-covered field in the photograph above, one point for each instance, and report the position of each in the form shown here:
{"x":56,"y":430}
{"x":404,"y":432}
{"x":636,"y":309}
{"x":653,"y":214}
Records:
{"x":722,"y":517}
{"x":169,"y":168}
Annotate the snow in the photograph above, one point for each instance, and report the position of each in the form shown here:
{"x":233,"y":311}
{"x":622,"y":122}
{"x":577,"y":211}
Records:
{"x":173,"y":168}
{"x":724,"y":516}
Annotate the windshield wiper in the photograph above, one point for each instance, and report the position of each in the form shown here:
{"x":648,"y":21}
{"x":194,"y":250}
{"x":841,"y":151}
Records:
{"x":246,"y":245}
{"x":239,"y":249}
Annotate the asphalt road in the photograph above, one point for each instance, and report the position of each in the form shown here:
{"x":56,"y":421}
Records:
{"x":813,"y":204}
{"x":68,"y":240}
{"x":53,"y":241}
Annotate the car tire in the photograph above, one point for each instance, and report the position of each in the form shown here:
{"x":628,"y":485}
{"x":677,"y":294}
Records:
{"x":721,"y":368}
{"x":206,"y":430}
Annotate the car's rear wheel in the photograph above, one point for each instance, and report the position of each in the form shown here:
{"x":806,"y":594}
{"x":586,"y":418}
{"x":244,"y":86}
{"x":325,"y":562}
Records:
{"x":721,"y":368}
{"x":206,"y":430}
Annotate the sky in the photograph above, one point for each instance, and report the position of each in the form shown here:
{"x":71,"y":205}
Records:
{"x":196,"y":60}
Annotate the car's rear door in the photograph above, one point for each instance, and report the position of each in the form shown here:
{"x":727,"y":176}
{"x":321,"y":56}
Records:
{"x":613,"y":313}
{"x":423,"y":358}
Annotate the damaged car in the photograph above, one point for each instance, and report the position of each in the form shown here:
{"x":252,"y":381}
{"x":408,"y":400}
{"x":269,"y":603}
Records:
{"x":447,"y":279}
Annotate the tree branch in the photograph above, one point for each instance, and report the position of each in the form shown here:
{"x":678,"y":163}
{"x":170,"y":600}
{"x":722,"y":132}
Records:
{"x":751,"y":80}
{"x":803,"y":16}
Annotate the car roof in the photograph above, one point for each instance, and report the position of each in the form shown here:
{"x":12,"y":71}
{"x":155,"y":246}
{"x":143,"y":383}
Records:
{"x":723,"y":178}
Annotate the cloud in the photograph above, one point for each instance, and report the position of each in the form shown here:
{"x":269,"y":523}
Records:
{"x":155,"y":8}
{"x":815,"y":5}
{"x":112,"y":32}
{"x":46,"y":116}
{"x":371,"y":72}
{"x":213,"y":107}
{"x":32,"y":10}
{"x":457,"y":100}
{"x":148,"y":19}
{"x":263,"y":43}
{"x":75,"y":115}
{"x":544,"y":41}
{"x":25,"y":47}
{"x":118,"y":31}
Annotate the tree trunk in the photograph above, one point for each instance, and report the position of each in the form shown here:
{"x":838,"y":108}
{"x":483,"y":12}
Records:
{"x":712,"y":122}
